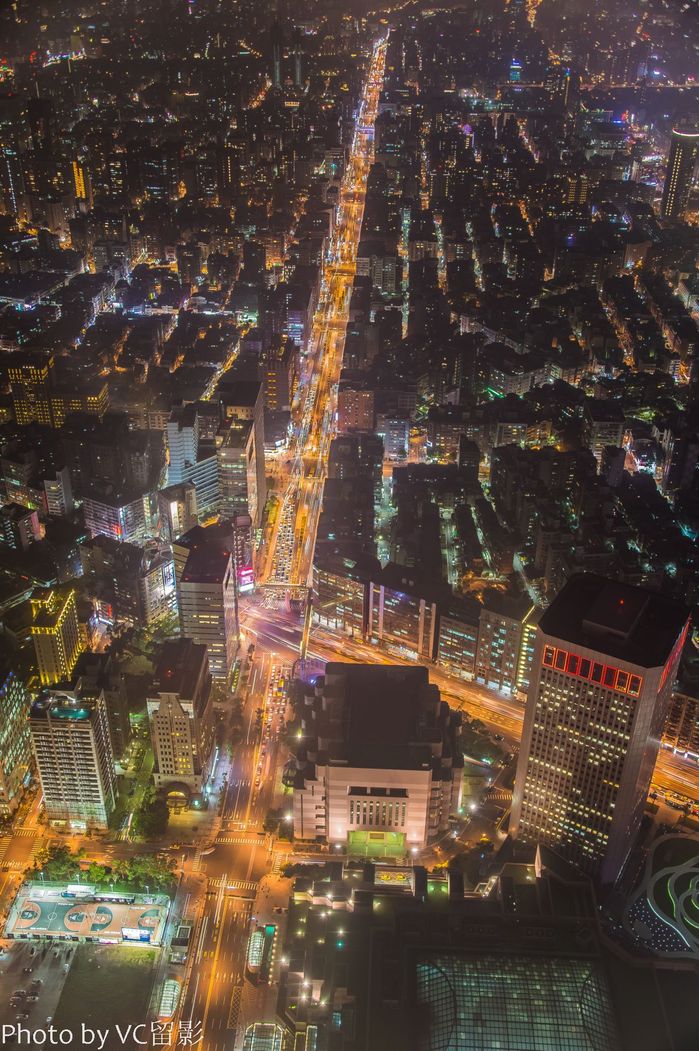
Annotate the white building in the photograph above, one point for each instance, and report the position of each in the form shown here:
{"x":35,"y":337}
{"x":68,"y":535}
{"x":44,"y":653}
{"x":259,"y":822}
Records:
{"x":73,"y":751}
{"x":180,"y":713}
{"x":378,"y":769}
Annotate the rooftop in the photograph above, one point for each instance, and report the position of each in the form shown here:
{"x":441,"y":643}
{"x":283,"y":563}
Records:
{"x":625,"y":622}
{"x":65,"y":706}
{"x":179,"y":668}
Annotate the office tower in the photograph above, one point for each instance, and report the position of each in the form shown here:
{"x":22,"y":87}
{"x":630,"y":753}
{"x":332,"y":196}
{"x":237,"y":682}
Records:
{"x":82,"y":183}
{"x":236,"y":469}
{"x":243,"y":400}
{"x":206,"y":594}
{"x":377,"y":768}
{"x":15,"y":740}
{"x":56,"y":634}
{"x":182,"y":441}
{"x":30,"y":376}
{"x":684,"y":151}
{"x":277,"y":38}
{"x":177,"y":510}
{"x":191,"y":459}
{"x":298,"y":59}
{"x":37,"y":396}
{"x":604,"y":663}
{"x":73,"y":751}
{"x":180,"y":712}
{"x":41,"y":117}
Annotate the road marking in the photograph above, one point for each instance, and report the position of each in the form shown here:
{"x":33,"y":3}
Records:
{"x":247,"y":841}
{"x":213,"y":967}
{"x":242,"y":884}
{"x":234,"y":1010}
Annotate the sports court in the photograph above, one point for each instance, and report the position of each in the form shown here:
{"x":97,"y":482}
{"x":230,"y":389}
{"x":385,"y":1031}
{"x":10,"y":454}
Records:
{"x":68,"y":913}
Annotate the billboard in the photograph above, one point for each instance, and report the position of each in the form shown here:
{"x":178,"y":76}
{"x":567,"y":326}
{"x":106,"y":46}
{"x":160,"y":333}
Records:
{"x":135,"y":934}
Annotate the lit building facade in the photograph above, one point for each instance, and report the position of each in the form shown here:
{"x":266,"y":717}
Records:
{"x":605,"y":660}
{"x":73,"y":752}
{"x":180,"y":713}
{"x":15,"y":741}
{"x":55,"y":632}
{"x":120,"y":517}
{"x":377,"y":768}
{"x":207,"y":601}
{"x":684,"y":152}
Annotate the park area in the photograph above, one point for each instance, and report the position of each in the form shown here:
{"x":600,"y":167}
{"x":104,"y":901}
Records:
{"x":108,"y":985}
{"x":670,"y":889}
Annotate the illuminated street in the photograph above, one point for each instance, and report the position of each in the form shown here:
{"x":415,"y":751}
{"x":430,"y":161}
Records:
{"x":290,"y":552}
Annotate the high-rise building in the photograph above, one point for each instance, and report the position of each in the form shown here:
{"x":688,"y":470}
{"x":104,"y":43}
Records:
{"x":605,"y":659}
{"x":15,"y":740}
{"x":30,"y":376}
{"x":73,"y":751}
{"x":180,"y":711}
{"x":243,"y":400}
{"x":236,"y":469}
{"x":56,"y":634}
{"x":277,"y":40}
{"x":207,"y":594}
{"x":37,"y":396}
{"x":191,"y":460}
{"x":684,"y":152}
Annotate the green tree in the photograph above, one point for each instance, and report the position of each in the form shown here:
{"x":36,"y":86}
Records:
{"x":151,"y":820}
{"x":271,"y":821}
{"x":57,"y":863}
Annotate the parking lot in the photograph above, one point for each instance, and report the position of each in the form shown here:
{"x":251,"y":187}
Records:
{"x":31,"y":981}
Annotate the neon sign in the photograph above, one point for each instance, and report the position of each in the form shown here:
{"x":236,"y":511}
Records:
{"x":601,"y":674}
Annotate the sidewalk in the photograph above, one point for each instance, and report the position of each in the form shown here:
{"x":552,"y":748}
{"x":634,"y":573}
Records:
{"x":258,"y":1003}
{"x":184,"y":907}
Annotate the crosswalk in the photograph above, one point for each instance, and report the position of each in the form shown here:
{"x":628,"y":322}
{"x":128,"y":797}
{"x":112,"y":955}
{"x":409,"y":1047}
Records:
{"x":24,"y":833}
{"x":243,"y":841}
{"x":17,"y":866}
{"x":241,"y":884}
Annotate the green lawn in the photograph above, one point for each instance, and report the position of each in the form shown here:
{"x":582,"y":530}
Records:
{"x":107,"y":984}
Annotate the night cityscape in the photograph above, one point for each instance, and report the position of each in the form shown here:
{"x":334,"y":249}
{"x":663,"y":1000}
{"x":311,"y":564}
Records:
{"x":349,"y":508}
